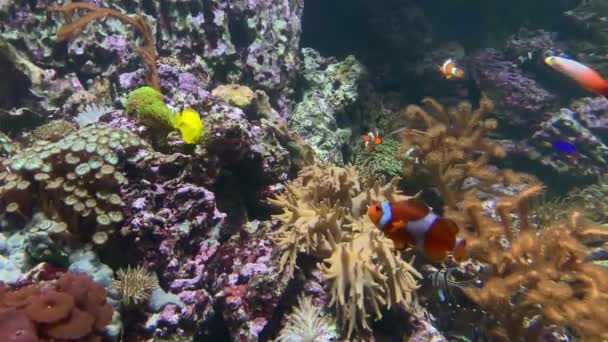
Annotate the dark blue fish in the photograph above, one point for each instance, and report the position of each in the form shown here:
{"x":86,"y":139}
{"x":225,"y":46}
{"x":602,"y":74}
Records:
{"x":564,"y":146}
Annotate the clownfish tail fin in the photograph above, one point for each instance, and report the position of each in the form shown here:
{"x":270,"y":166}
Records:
{"x":604,"y":90}
{"x":459,"y":249}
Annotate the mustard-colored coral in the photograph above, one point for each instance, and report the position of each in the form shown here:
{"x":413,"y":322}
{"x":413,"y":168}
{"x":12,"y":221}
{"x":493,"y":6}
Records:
{"x":452,"y":146}
{"x":543,"y":276}
{"x":235,"y":94}
{"x":324,"y":215}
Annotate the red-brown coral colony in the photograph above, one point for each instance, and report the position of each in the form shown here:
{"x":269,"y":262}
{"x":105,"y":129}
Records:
{"x":72,"y":308}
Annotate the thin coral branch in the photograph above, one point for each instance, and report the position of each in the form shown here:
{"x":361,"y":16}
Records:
{"x":72,"y":28}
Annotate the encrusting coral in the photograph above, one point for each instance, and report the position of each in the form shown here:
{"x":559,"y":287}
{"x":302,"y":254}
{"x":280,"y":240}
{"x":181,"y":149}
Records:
{"x":72,"y":308}
{"x":324,"y":217}
{"x":73,"y":28}
{"x":74,"y":180}
{"x":452,"y":146}
{"x":537,"y":277}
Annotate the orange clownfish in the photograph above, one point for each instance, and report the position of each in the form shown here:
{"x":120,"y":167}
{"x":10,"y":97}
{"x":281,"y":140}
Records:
{"x":582,"y":74}
{"x":372,"y":139}
{"x":412,"y":223}
{"x":449,"y":69}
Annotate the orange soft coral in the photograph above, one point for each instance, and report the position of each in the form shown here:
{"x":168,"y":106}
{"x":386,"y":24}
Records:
{"x":539,"y":276}
{"x":452,"y":146}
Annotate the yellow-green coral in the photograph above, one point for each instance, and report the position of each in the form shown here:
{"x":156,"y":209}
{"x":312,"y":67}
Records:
{"x":147,"y":103}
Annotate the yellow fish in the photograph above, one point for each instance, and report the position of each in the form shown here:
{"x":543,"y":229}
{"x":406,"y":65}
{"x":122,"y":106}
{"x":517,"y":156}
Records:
{"x":190,"y":125}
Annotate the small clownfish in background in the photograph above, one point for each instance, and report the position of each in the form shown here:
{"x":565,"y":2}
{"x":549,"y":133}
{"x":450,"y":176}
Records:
{"x":190,"y":125}
{"x":582,"y":74}
{"x":412,"y":223}
{"x":449,"y":69}
{"x":371,"y":139}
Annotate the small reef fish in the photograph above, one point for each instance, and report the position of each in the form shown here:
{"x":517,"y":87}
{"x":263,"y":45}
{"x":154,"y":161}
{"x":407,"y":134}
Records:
{"x":564,"y":146}
{"x":582,"y":74}
{"x":449,"y":69}
{"x":412,"y":223}
{"x":371,"y":139}
{"x":190,"y":125}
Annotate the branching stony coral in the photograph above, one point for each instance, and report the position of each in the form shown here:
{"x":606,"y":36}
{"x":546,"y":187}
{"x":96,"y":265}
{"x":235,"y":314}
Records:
{"x":307,"y":323}
{"x":135,"y":285}
{"x":324,"y":216}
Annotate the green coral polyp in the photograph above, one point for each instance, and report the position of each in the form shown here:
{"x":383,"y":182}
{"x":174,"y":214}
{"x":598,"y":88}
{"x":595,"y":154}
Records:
{"x":147,"y":103}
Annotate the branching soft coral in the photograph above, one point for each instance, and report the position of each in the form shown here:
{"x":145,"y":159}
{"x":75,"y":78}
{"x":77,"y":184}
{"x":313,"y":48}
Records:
{"x":538,"y":278}
{"x":324,"y":216}
{"x":452,"y":145}
{"x":72,"y":28}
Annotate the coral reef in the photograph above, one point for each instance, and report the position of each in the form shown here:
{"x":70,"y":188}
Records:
{"x":329,"y":88}
{"x":246,"y":283}
{"x":582,"y":124}
{"x":172,"y":226}
{"x":72,"y":308}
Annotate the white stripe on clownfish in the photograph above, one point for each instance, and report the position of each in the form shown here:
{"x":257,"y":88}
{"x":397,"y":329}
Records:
{"x":387,"y":214}
{"x":418,"y":229}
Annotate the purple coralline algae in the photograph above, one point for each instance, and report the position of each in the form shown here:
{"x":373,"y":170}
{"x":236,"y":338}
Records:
{"x":519,"y":99}
{"x":578,"y":125}
{"x":252,"y":42}
{"x":233,"y":140}
{"x":532,"y":45}
{"x":172,"y":227}
{"x":246,"y":282}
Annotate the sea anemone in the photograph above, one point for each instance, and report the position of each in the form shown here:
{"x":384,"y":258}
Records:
{"x":135,"y":285}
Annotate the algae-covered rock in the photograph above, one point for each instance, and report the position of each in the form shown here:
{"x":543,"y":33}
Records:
{"x":329,"y":89}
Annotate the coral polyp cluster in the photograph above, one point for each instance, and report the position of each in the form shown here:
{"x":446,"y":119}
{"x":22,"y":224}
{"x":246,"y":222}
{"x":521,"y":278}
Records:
{"x":75,"y":180}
